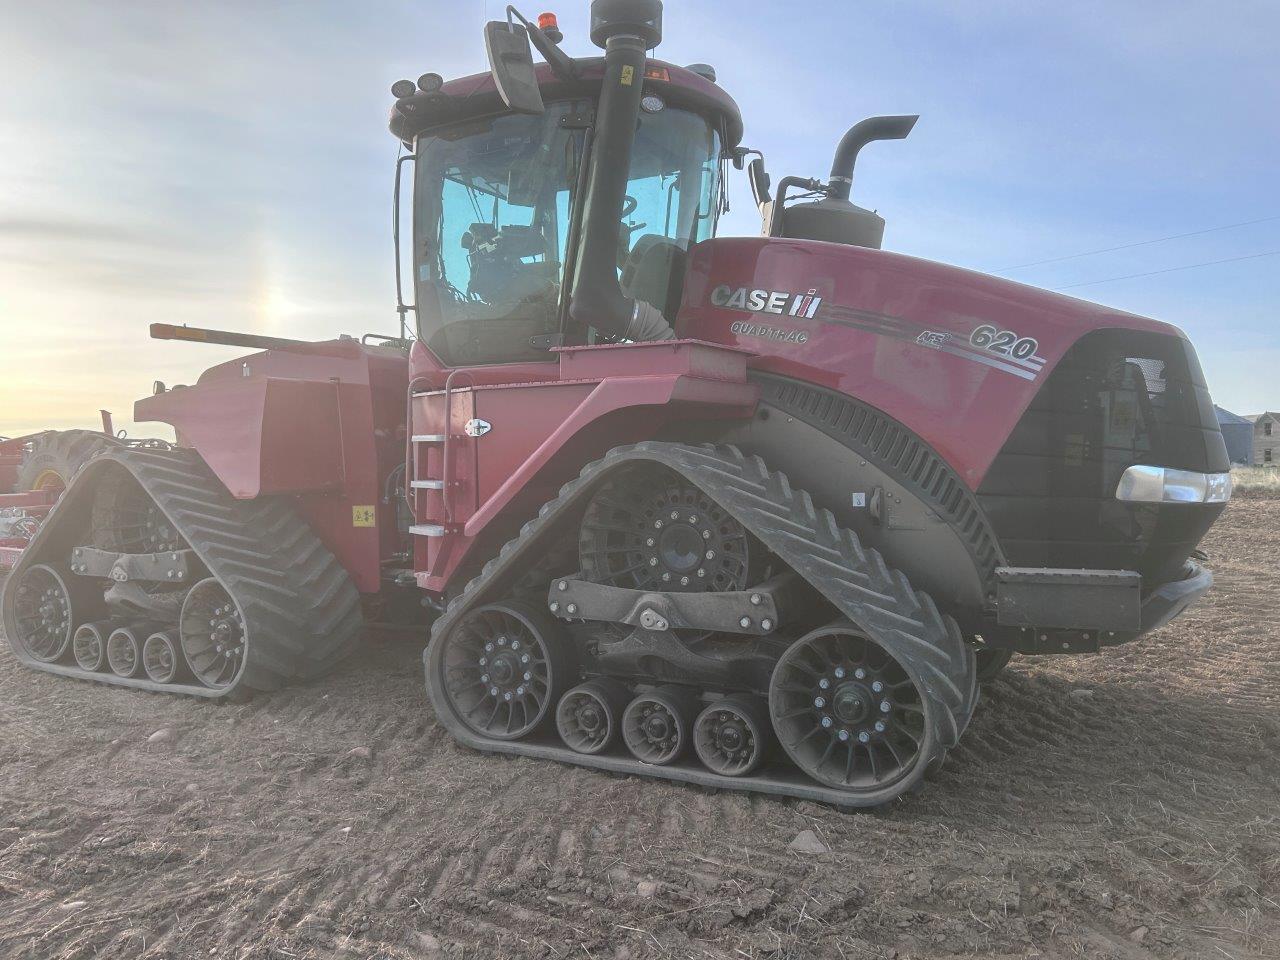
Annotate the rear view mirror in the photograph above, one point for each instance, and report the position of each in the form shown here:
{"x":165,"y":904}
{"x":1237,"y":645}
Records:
{"x":511,"y":63}
{"x":760,"y":182}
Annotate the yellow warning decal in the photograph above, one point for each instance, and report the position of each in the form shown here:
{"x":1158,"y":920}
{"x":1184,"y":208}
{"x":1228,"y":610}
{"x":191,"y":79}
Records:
{"x":364,"y":517}
{"x":628,"y":75}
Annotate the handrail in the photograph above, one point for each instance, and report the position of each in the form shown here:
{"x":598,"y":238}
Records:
{"x":448,"y":435}
{"x":410,"y":460}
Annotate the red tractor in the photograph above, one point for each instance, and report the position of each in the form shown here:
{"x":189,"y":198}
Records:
{"x":754,"y":513}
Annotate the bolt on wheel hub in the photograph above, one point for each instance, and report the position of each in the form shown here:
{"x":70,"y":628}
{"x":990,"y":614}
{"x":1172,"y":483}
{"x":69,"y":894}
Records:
{"x":729,"y":735}
{"x":657,"y":727}
{"x":852,"y":703}
{"x":589,"y":717}
{"x":680,"y":547}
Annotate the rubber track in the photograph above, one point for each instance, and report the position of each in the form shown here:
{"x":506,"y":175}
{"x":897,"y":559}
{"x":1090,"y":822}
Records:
{"x":854,"y":579}
{"x":300,"y":607}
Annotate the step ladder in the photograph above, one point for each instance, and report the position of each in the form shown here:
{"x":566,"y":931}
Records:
{"x":423,"y":443}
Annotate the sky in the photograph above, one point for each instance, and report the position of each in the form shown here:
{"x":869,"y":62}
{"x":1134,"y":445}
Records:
{"x":227,"y":164}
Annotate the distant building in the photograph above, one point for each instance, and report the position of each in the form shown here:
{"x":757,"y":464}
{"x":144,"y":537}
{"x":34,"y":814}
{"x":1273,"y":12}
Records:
{"x":1237,"y":431}
{"x":1266,"y":439}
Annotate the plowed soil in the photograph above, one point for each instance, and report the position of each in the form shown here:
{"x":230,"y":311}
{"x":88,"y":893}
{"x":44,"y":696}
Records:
{"x":1118,"y":806}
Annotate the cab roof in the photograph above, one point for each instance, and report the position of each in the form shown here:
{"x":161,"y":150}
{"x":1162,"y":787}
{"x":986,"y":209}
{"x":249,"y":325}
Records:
{"x":477,"y":96}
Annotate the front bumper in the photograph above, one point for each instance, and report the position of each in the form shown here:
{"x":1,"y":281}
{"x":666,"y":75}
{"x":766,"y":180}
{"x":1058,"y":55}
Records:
{"x":1041,"y":610}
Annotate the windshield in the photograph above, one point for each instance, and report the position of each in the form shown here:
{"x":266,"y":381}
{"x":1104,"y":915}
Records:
{"x":493,"y":203}
{"x":492,"y":206}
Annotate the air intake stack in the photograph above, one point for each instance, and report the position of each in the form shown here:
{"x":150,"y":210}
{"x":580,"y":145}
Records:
{"x":627,"y":30}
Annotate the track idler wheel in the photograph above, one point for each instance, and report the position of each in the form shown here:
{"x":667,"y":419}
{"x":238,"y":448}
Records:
{"x":212,"y":633}
{"x":850,"y":715}
{"x":503,"y":668}
{"x":89,"y":645}
{"x":48,"y":604}
{"x":162,"y":657}
{"x":731,"y":735}
{"x":657,"y":726}
{"x":590,"y":715}
{"x":124,"y":650}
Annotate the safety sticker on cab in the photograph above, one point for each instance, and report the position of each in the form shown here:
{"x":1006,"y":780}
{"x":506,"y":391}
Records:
{"x":364,"y":516}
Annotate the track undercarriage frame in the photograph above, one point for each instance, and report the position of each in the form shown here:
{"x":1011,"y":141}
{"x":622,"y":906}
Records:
{"x":868,"y":618}
{"x":149,"y":574}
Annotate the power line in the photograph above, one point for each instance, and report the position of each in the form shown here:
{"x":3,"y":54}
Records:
{"x":1189,"y":266}
{"x":1140,"y":243}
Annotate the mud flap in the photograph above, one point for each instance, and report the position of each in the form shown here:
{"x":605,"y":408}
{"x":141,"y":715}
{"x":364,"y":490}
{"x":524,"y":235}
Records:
{"x":878,"y":600}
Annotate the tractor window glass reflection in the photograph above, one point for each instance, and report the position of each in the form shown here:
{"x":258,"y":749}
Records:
{"x":492,"y":205}
{"x":673,"y":201}
{"x":675,"y":177}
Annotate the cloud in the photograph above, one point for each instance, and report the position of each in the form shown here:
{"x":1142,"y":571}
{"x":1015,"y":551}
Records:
{"x":228,"y":164}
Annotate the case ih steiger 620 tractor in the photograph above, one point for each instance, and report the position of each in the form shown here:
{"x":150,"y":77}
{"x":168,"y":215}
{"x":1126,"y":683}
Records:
{"x":747,"y":512}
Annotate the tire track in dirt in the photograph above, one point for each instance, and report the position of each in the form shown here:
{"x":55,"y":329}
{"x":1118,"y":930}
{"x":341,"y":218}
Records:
{"x":1091,"y":798}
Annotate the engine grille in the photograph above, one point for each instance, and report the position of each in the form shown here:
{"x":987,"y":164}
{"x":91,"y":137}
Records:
{"x":1118,"y":397}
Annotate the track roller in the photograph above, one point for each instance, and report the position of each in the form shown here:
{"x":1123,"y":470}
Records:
{"x":124,"y":649}
{"x":590,"y":715}
{"x":503,"y":669}
{"x":212,"y":634}
{"x":89,"y":645}
{"x":731,"y":735}
{"x":49,"y":603}
{"x":657,"y":725}
{"x":162,"y":657}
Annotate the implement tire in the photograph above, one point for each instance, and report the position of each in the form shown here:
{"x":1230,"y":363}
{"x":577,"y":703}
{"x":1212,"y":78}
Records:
{"x":57,"y":456}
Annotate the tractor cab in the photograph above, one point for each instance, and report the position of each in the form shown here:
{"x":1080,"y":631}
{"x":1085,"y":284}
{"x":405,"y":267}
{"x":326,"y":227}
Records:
{"x":495,"y":200}
{"x":549,"y":217}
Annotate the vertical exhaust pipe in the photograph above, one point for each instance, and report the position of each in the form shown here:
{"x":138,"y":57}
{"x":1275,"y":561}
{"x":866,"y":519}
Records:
{"x":869,"y":130}
{"x":627,"y":30}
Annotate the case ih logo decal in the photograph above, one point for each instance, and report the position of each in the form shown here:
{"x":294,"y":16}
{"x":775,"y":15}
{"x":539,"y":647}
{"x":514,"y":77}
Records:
{"x":988,"y":345}
{"x":778,"y":302}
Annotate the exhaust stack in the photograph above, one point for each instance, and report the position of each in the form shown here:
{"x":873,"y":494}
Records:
{"x":833,"y":218}
{"x":851,"y":144}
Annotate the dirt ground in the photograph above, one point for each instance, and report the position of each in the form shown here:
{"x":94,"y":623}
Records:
{"x":1120,"y":806}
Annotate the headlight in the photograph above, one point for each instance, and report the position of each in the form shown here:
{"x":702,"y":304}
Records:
{"x":1141,"y":484}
